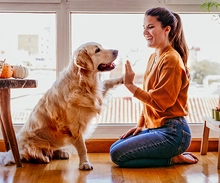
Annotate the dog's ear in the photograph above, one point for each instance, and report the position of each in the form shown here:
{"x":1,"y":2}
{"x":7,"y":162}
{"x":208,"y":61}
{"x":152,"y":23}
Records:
{"x":83,"y":60}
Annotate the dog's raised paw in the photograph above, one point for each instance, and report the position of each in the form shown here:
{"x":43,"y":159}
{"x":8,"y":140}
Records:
{"x":86,"y":166}
{"x":120,"y":80}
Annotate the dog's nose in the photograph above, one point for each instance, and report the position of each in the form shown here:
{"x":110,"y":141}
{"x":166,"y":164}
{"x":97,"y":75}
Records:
{"x":115,"y":53}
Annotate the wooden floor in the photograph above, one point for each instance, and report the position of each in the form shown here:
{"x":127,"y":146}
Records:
{"x":66,"y":171}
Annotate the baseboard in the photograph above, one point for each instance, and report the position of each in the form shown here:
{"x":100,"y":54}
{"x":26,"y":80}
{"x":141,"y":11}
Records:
{"x":103,"y":145}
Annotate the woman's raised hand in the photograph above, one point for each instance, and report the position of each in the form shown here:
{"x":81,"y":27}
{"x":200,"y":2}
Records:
{"x":128,"y":78}
{"x":129,"y":74}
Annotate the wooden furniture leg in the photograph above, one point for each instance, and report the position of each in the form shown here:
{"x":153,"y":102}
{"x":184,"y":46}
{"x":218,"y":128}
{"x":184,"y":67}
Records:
{"x":8,"y":129}
{"x":205,"y":140}
{"x":7,"y":146}
{"x":219,"y":150}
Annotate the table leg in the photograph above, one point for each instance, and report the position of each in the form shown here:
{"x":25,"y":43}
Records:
{"x":7,"y":146}
{"x":5,"y":109}
{"x":205,"y":140}
{"x":219,"y":151}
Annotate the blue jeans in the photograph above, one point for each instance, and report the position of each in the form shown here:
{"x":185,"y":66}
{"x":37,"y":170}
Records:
{"x":152,"y":147}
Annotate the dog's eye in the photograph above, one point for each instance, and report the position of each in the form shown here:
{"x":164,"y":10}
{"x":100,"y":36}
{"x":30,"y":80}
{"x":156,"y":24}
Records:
{"x":97,"y":50}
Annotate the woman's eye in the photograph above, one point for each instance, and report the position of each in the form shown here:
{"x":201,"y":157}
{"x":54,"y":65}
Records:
{"x":97,"y":50}
{"x":148,"y":28}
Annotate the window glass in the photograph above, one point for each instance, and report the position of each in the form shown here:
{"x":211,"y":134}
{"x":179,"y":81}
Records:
{"x":28,"y":39}
{"x":125,"y":33}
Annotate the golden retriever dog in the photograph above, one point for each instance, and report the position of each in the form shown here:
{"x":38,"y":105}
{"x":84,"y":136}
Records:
{"x":63,"y":115}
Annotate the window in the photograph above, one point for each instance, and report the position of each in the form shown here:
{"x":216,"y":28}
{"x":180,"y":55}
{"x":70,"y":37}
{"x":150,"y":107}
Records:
{"x":124,"y":32}
{"x":28,"y":39}
{"x":116,"y":25}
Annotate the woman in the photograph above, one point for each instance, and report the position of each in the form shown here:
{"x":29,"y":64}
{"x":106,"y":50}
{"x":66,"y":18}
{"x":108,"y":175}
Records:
{"x":162,"y":134}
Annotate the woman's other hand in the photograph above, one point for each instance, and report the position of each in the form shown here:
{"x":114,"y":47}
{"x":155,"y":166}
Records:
{"x":134,"y":131}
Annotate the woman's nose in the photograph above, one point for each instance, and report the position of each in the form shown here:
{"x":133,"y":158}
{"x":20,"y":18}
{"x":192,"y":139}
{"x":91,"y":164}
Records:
{"x":145,"y":32}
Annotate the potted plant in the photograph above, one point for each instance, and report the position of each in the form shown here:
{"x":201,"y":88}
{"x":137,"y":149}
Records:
{"x":216,"y":111}
{"x":209,"y":4}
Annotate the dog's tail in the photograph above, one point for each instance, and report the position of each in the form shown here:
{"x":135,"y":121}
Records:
{"x":6,"y":158}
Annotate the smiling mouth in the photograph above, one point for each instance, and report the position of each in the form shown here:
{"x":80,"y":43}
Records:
{"x":106,"y":67}
{"x":148,"y":37}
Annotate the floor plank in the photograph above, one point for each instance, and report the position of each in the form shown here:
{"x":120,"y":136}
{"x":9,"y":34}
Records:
{"x":66,"y":171}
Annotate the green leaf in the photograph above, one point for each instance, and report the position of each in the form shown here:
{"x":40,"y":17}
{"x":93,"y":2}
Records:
{"x":209,"y":4}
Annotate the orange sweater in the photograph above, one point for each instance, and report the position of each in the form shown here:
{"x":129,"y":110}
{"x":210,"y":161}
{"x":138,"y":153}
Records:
{"x":165,"y":90}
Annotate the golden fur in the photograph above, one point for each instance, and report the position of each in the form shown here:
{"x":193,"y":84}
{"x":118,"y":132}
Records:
{"x":62,"y":116}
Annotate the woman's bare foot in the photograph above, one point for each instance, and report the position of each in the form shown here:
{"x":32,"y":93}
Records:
{"x":185,"y":158}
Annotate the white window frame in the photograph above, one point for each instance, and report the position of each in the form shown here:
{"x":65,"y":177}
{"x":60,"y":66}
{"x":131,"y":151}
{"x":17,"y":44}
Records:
{"x":63,"y":9}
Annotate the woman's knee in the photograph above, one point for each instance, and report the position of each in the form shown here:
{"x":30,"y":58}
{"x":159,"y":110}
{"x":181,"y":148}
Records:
{"x":115,"y":155}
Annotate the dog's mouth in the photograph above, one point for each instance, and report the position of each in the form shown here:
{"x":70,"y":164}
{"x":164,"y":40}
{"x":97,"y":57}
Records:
{"x":106,"y":67}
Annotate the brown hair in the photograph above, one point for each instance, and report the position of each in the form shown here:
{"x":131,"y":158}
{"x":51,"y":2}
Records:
{"x":176,"y":35}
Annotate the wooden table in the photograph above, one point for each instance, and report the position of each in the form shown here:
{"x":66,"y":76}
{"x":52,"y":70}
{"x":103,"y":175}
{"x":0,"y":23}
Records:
{"x":5,"y":112}
{"x":210,"y":123}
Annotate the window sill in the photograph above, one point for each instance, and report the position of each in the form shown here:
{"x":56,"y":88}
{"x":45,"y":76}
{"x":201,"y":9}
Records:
{"x":115,"y":130}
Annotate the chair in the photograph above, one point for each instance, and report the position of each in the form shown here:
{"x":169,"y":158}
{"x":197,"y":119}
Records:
{"x":210,"y":123}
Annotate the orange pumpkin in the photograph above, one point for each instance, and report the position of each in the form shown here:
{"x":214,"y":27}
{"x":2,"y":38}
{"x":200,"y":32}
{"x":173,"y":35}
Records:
{"x":7,"y":71}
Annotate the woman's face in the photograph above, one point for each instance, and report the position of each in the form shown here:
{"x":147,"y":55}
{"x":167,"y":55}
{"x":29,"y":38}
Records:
{"x":155,"y":35}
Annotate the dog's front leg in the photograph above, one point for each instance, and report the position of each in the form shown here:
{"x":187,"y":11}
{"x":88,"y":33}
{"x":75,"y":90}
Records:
{"x":110,"y":83}
{"x":80,"y":146}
